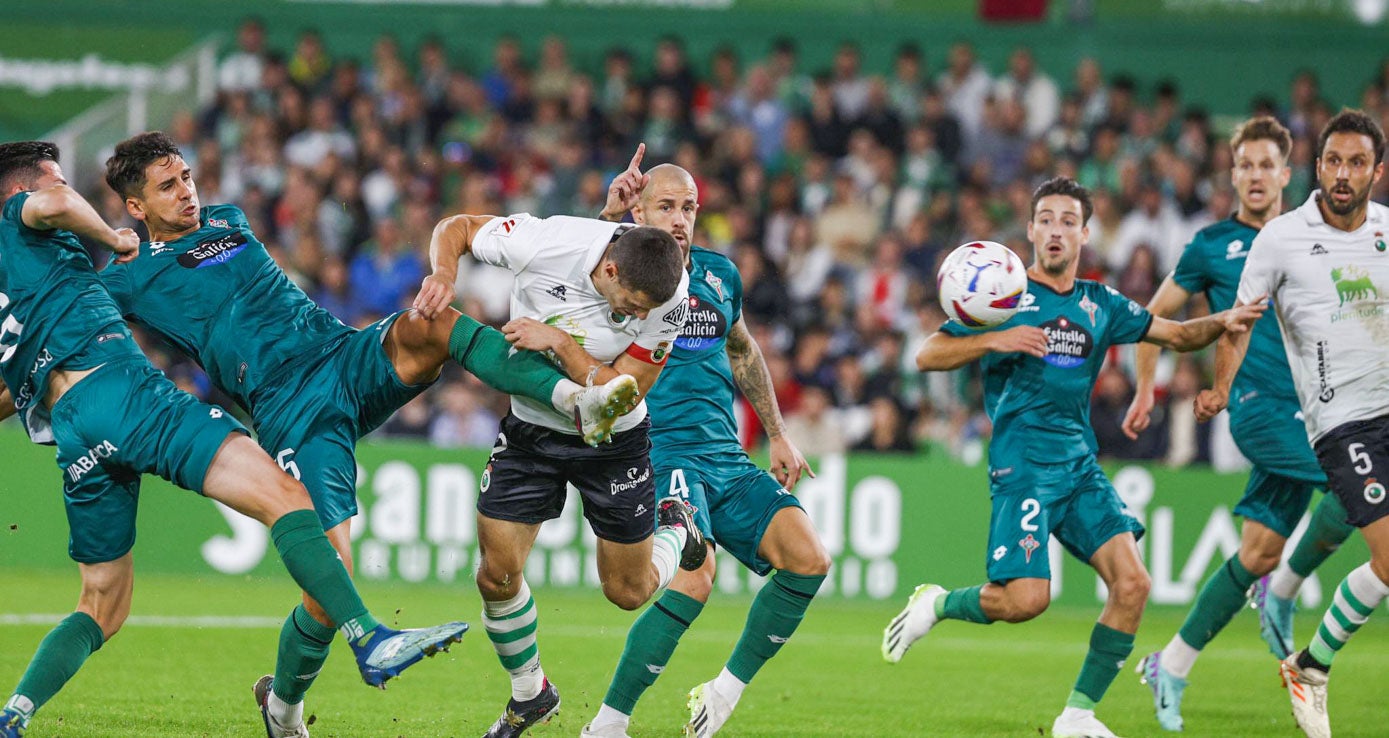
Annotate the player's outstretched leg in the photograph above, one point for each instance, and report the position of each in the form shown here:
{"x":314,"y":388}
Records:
{"x":1305,"y":672}
{"x":511,"y":626}
{"x":597,"y":408}
{"x":244,"y":478}
{"x":1325,"y":533}
{"x":1221,"y":598}
{"x":101,"y":610}
{"x":792,"y":545}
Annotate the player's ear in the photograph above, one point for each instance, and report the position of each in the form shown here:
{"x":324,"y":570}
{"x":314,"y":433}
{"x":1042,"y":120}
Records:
{"x":136,"y":210}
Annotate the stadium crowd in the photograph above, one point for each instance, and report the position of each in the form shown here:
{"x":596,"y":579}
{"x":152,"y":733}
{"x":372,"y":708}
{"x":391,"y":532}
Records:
{"x":835,"y":191}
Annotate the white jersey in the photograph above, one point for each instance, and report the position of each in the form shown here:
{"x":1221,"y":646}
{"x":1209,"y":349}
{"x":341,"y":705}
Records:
{"x":553,"y":260}
{"x":1330,"y":291}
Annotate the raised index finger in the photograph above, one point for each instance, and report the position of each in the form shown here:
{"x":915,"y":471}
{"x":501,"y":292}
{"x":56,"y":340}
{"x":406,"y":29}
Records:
{"x":636,"y":158}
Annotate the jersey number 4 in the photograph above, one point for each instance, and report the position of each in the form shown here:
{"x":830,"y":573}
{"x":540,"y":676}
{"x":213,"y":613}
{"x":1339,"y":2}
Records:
{"x":9,"y":331}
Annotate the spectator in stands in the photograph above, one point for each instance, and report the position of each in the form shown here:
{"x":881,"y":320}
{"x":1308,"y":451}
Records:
{"x":386,"y":271}
{"x":816,"y":429}
{"x":240,"y":71}
{"x":1036,"y":92}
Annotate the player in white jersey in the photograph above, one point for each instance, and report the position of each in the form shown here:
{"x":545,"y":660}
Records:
{"x":604,"y":299}
{"x":1326,"y":268}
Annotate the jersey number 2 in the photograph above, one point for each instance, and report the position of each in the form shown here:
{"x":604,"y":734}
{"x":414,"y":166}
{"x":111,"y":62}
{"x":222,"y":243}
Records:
{"x":1031,"y":509}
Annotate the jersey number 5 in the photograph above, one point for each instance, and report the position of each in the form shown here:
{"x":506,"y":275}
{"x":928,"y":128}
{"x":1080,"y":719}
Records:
{"x":9,"y":331}
{"x":286,"y":461}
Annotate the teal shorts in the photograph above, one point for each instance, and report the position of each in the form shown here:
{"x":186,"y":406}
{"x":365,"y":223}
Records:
{"x":734,"y":499}
{"x":123,"y":420}
{"x":310,"y":421}
{"x":1271,"y":434}
{"x":1073,"y":500}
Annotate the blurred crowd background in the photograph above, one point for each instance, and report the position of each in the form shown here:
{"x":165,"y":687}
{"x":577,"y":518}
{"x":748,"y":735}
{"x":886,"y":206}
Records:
{"x":836,"y":191}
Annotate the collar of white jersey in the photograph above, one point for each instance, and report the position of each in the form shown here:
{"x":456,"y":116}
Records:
{"x":1312,"y":212}
{"x":601,"y":247}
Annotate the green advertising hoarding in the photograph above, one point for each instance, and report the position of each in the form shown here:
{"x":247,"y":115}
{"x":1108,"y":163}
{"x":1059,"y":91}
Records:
{"x":889,"y":522}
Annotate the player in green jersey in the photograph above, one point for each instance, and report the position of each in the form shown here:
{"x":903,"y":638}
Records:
{"x":697,"y":455}
{"x":1039,"y":372}
{"x":1266,"y":421}
{"x":313,"y":386}
{"x":78,"y":381}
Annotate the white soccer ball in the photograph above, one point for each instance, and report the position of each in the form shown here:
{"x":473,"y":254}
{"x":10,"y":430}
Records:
{"x":981,"y":284}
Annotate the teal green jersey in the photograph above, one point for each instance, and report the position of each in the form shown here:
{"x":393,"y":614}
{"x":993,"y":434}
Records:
{"x":1040,"y":408}
{"x":216,"y":295}
{"x":691,"y":405}
{"x":1212,"y":263}
{"x":52,"y":308}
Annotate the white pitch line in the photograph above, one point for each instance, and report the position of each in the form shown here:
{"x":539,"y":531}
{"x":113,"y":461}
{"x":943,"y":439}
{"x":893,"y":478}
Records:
{"x":158,"y":621}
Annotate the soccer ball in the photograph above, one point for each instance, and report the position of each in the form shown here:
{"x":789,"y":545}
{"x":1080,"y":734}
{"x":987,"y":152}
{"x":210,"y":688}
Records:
{"x":981,"y":284}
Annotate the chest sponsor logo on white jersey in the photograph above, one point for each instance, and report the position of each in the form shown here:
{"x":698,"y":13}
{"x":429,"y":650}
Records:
{"x":676,"y":315}
{"x":1357,"y":295}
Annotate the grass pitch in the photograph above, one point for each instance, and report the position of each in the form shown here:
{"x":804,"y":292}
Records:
{"x":185,"y":665}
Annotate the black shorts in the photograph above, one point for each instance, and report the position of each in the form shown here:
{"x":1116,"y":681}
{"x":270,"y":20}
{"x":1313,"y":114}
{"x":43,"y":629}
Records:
{"x":525,"y":480}
{"x":1355,"y":457}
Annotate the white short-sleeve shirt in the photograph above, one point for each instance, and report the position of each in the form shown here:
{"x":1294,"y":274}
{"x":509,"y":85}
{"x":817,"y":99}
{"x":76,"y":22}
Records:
{"x":553,"y":260}
{"x":1330,"y":291}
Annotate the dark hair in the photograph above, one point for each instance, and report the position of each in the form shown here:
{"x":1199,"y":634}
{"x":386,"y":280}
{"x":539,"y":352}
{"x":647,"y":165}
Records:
{"x":648,"y":261}
{"x":19,"y":162}
{"x":1263,"y":128}
{"x":125,"y":170}
{"x":1069,"y":188}
{"x":1350,"y":120}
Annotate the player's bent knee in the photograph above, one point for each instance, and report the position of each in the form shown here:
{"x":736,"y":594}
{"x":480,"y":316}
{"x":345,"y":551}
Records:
{"x":1260,"y":563}
{"x":625,"y":597}
{"x":1131,"y":590}
{"x":814,"y":562}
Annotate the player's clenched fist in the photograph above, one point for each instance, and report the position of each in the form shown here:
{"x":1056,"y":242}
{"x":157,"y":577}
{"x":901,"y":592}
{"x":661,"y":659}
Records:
{"x":1024,"y":339}
{"x":127,"y":245}
{"x":1209,"y":403}
{"x":436,"y":293}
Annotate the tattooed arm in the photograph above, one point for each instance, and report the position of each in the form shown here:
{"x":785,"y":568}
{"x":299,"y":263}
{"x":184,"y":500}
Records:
{"x":755,"y":382}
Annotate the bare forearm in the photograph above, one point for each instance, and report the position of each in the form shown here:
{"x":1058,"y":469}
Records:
{"x":577,"y":363}
{"x":1229,"y":356}
{"x":1166,"y":301}
{"x":754,"y":380}
{"x":943,"y":352}
{"x":1198,"y":333}
{"x":452,"y":238}
{"x":61,"y":208}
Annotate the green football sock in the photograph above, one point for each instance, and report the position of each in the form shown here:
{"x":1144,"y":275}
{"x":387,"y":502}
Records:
{"x":485,"y":353}
{"x":1108,"y":649}
{"x":776,"y":612}
{"x":1220,"y":599}
{"x":1325,"y":533}
{"x":962,"y":604}
{"x":59,"y":656}
{"x":315,"y":566}
{"x":650,"y":642}
{"x":304,"y":644}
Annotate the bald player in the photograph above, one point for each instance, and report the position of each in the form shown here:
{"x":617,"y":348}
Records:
{"x":696,"y":455}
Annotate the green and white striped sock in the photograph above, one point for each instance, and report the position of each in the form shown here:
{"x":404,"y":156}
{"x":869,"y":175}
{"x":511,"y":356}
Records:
{"x":1357,"y":597}
{"x":666,"y":548}
{"x":511,"y":627}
